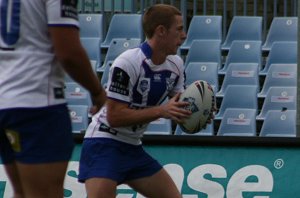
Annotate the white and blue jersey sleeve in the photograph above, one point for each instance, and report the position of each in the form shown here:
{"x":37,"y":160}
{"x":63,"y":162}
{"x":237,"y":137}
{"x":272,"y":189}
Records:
{"x":62,"y":13}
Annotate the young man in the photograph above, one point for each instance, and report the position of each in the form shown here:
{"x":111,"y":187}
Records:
{"x":139,"y":81}
{"x":38,"y":39}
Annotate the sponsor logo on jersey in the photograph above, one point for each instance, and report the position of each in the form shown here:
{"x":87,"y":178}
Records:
{"x":69,"y":9}
{"x":120,"y":81}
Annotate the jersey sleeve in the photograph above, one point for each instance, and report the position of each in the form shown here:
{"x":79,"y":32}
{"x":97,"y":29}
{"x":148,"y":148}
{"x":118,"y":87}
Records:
{"x":62,"y":13}
{"x":121,"y":80}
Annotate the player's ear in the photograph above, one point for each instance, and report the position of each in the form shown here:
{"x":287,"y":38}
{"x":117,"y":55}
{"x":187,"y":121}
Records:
{"x":160,"y":30}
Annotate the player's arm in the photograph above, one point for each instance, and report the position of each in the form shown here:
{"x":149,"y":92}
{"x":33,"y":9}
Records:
{"x":71,"y":54}
{"x":119,"y":114}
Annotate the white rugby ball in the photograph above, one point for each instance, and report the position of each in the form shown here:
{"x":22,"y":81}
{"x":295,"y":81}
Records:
{"x":201,"y":99}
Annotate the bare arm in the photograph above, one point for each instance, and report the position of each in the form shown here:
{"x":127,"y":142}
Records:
{"x":119,"y":114}
{"x":71,"y":54}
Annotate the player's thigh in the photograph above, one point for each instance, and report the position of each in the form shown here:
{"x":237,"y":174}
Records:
{"x":13,"y":175}
{"x":159,"y":185}
{"x":101,"y":187}
{"x":43,"y":179}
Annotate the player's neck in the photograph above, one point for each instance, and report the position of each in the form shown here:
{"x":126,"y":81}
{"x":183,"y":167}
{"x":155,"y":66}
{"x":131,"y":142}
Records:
{"x":158,"y":53}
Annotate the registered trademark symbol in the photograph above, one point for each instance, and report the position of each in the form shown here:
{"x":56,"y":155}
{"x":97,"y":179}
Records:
{"x":278,"y":164}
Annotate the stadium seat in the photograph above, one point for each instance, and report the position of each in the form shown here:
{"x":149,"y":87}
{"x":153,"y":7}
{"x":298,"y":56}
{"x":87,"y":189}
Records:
{"x":281,"y":53}
{"x":160,"y":126}
{"x":279,"y":124}
{"x":281,"y":29}
{"x":79,"y":118}
{"x":77,"y":95}
{"x":208,"y":51}
{"x":240,"y":74}
{"x":202,"y":71}
{"x":92,"y":47}
{"x":238,"y":96}
{"x":126,"y":26}
{"x":244,"y":28}
{"x":208,"y":131}
{"x":238,"y":122}
{"x":278,"y":98}
{"x":203,"y":28}
{"x":105,"y":74}
{"x":91,"y":26}
{"x":279,"y":76}
{"x":116,"y":47}
{"x":243,"y":52}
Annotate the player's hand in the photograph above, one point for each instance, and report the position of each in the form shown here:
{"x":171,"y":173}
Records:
{"x":98,"y":101}
{"x":174,"y":110}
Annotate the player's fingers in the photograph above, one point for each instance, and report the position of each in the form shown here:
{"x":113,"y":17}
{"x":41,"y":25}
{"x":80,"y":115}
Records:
{"x":94,"y":110}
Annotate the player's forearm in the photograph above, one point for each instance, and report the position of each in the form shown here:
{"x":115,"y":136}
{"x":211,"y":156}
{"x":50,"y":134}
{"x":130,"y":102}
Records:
{"x":79,"y":68}
{"x":129,"y":117}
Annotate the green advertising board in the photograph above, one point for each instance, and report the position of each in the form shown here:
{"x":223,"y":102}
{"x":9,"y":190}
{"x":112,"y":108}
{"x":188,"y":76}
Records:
{"x":209,"y":172}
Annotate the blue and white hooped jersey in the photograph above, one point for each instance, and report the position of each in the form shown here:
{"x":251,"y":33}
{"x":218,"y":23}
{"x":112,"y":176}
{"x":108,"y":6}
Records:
{"x":30,"y":75}
{"x":135,"y":80}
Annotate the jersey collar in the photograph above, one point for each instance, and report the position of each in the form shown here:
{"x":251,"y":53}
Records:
{"x":146,"y":49}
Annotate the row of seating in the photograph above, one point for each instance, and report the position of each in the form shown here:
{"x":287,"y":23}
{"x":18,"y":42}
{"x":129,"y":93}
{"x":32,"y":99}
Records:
{"x":241,"y":28}
{"x":236,"y":97}
{"x":242,"y":74}
{"x":209,"y":51}
{"x":201,"y":28}
{"x":242,"y":122}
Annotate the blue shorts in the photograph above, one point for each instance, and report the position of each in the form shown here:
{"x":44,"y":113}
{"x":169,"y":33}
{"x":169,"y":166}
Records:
{"x":36,"y":135}
{"x":108,"y":158}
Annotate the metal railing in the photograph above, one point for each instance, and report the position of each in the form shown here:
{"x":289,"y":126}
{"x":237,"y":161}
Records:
{"x":225,"y":8}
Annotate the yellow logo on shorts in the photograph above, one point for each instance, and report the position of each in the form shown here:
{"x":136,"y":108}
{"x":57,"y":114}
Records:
{"x":14,"y":139}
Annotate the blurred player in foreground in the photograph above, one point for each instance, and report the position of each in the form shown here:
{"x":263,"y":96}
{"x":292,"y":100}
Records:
{"x":140,"y":80}
{"x":39,"y":40}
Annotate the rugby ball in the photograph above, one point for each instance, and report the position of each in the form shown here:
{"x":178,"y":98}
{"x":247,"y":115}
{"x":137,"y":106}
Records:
{"x":201,"y":99}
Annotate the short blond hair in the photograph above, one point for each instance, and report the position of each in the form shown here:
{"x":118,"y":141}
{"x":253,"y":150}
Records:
{"x":158,"y":14}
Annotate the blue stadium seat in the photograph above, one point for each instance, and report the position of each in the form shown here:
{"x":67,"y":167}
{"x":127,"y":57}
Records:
{"x":243,"y":52}
{"x":92,"y":47}
{"x":238,"y":122}
{"x":281,"y":29}
{"x":208,"y":131}
{"x":279,"y":124}
{"x":204,"y":51}
{"x":203,"y":71}
{"x":240,"y":74}
{"x":238,"y":96}
{"x":126,"y":26}
{"x":245,"y":28}
{"x":202,"y":28}
{"x":91,"y":25}
{"x":79,"y":118}
{"x":278,"y":98}
{"x":281,"y":53}
{"x":160,"y":126}
{"x":116,"y":47}
{"x":279,"y":76}
{"x":77,"y":95}
{"x":105,"y":74}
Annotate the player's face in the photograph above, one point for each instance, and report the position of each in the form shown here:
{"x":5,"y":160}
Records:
{"x":176,"y":35}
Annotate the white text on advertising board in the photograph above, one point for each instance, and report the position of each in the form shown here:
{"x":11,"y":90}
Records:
{"x":197,"y":179}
